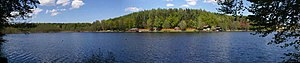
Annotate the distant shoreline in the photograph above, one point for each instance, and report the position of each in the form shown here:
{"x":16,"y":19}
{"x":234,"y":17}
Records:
{"x":132,"y":32}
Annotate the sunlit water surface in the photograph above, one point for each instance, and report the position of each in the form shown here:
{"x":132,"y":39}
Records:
{"x":222,"y":47}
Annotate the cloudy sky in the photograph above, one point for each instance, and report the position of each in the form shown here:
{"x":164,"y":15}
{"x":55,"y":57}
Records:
{"x":74,"y":11}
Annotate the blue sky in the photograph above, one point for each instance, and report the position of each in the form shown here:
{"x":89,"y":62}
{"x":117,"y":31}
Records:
{"x":74,"y":11}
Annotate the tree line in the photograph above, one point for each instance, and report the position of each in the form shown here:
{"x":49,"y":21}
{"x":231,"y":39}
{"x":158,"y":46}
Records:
{"x":49,"y":27}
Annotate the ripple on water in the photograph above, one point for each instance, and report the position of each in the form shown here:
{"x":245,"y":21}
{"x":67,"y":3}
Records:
{"x":221,"y":47}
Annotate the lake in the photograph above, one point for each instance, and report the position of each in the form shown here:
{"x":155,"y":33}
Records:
{"x":222,"y":47}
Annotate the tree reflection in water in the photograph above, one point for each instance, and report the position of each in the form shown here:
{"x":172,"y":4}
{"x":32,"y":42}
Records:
{"x":100,"y":57}
{"x":3,"y":59}
{"x":292,"y":57}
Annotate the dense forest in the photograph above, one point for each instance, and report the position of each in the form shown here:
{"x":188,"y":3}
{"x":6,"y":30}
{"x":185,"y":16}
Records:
{"x":171,"y":18}
{"x":159,"y":18}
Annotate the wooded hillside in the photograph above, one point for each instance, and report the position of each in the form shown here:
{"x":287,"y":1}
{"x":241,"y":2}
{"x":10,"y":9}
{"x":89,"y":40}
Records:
{"x":171,"y":18}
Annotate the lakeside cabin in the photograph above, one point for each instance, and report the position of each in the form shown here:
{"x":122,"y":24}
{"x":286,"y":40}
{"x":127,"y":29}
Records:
{"x":208,"y":28}
{"x":219,"y":29}
{"x":133,"y":30}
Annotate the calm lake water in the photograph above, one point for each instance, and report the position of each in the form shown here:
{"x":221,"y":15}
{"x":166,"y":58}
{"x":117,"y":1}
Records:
{"x":222,"y":47}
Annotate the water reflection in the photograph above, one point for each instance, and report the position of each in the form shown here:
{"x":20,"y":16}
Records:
{"x":3,"y":59}
{"x":100,"y":57}
{"x":291,"y":57}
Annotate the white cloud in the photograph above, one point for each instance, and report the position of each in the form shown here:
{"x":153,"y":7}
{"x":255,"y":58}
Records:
{"x":133,"y":9}
{"x":169,"y":0}
{"x":36,"y":11}
{"x":63,"y":2}
{"x":191,"y":2}
{"x":185,"y":5}
{"x":210,"y":1}
{"x":77,"y":4}
{"x":169,"y":5}
{"x":62,"y":9}
{"x":55,"y":12}
{"x":74,"y":4}
{"x":47,"y":2}
{"x":14,"y":13}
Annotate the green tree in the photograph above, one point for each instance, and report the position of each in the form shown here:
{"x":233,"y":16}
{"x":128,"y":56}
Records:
{"x":149,"y":23}
{"x":183,"y":25}
{"x":175,"y":21}
{"x":96,"y":26}
{"x":200,"y":23}
{"x":167,"y":23}
{"x":192,"y":24}
{"x":156,"y":22}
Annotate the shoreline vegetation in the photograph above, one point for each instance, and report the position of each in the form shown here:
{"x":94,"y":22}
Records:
{"x":122,"y":32}
{"x":155,"y":20}
{"x":139,"y":32}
